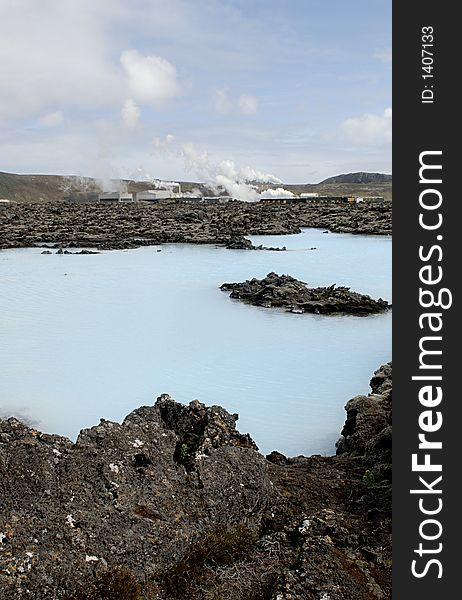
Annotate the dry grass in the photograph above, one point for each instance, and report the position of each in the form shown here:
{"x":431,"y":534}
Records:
{"x":194,"y":575}
{"x":114,"y":584}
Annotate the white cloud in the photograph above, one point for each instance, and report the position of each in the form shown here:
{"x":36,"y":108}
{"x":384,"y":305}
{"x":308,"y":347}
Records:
{"x":383,"y":54}
{"x":369,"y":129}
{"x":130,"y":113}
{"x":163,"y":145}
{"x":51,"y":119}
{"x":151,"y":79}
{"x":223,"y":104}
{"x":248,"y":105}
{"x":61,"y":57}
{"x":68,"y":57}
{"x":69,"y":54}
{"x":221,"y":101}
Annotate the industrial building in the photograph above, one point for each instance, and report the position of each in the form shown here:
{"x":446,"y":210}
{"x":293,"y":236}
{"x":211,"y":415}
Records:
{"x":173,"y":190}
{"x":309,"y":195}
{"x":108,"y":197}
{"x":154,"y":195}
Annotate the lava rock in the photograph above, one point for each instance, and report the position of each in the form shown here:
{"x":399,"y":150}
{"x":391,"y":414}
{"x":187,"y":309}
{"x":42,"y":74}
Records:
{"x":283,"y":291}
{"x":94,"y":225}
{"x":175,"y":503}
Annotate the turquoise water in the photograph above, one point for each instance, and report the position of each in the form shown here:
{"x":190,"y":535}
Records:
{"x":84,"y":337}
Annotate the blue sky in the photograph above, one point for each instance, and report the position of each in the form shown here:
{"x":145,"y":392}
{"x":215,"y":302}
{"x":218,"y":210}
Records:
{"x":300,"y":89}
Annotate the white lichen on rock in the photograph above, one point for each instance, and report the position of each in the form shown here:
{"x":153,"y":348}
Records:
{"x":89,"y":558}
{"x":70,"y":521}
{"x":305,"y":526}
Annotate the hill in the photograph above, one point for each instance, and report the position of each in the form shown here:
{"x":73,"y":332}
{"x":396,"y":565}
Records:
{"x":31,"y":187}
{"x":55,"y":188}
{"x":42,"y":188}
{"x":360,"y":177}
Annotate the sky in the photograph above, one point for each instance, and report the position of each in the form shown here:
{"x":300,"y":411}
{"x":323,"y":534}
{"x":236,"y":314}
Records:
{"x":295,"y":89}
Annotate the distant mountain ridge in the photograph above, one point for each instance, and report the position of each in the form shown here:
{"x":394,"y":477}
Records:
{"x":360,"y":177}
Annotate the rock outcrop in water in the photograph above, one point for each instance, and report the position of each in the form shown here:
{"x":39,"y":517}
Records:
{"x":367,"y":430}
{"x":175,"y":503}
{"x":283,"y":291}
{"x":239,"y":242}
{"x":344,"y":543}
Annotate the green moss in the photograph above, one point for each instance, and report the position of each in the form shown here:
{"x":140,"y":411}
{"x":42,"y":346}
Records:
{"x":184,"y":452}
{"x":369,"y":478}
{"x":183,"y":455}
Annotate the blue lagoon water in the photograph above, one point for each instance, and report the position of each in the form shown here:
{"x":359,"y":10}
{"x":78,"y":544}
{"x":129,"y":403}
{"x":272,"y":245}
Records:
{"x":84,"y":337}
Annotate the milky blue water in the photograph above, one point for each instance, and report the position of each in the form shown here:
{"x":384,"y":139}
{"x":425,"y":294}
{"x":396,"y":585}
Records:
{"x":84,"y":337}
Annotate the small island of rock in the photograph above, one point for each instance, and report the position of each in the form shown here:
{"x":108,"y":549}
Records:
{"x":283,"y":291}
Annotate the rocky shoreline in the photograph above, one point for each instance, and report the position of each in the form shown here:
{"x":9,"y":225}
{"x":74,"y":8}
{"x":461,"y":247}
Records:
{"x":121,"y":226}
{"x":283,"y":291}
{"x":175,"y":503}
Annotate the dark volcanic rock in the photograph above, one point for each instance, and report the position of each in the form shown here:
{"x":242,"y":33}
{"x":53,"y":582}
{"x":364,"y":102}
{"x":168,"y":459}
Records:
{"x":176,"y":504}
{"x":121,"y":495}
{"x":367,"y":429}
{"x":61,"y":251}
{"x":93,"y":225}
{"x":239,"y":242}
{"x":344,"y":507}
{"x":283,"y":291}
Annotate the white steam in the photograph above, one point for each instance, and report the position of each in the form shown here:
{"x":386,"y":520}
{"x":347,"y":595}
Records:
{"x":164,"y":145}
{"x":103,"y":173}
{"x":77,"y":183}
{"x":130,"y":113}
{"x":238,"y":182}
{"x":157,"y":184}
{"x":277,"y":193}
